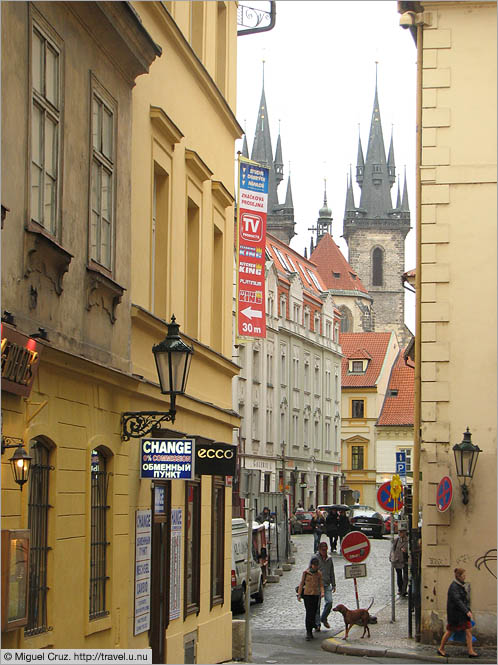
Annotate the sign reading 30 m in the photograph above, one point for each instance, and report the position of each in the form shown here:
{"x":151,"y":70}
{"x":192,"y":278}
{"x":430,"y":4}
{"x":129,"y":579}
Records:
{"x":167,"y":459}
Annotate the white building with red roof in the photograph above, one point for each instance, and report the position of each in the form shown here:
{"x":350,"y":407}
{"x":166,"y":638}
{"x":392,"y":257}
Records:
{"x":288,"y":389}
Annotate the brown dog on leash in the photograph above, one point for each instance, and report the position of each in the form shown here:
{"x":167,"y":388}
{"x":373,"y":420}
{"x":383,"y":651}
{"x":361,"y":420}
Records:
{"x":358,"y":617}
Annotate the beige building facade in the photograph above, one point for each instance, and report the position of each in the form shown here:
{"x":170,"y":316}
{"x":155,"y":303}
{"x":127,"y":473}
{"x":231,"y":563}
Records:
{"x":456,"y":300}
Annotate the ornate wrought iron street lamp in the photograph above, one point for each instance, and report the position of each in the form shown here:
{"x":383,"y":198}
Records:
{"x":466,"y":454}
{"x":172,"y":358}
{"x":20,"y":462}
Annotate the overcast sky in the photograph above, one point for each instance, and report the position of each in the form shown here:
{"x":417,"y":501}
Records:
{"x":319,"y":76}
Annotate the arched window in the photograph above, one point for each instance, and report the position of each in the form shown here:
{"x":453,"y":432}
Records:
{"x":377,"y":267}
{"x":98,"y":536}
{"x":346,"y":319}
{"x":38,"y":514}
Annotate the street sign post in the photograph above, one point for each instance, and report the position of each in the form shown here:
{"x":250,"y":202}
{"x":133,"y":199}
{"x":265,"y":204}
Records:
{"x":444,"y":494}
{"x":355,"y":547}
{"x":401,"y":463}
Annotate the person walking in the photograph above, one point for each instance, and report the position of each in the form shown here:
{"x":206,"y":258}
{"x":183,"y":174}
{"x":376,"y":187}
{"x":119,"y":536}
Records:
{"x":331,"y":524}
{"x":343,"y":524}
{"x":459,"y":614}
{"x":399,"y":560}
{"x":311,"y":589}
{"x":317,"y":524}
{"x":326,"y":567}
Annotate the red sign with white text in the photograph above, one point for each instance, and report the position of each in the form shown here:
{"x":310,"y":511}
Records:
{"x":355,"y":546}
{"x":251,"y":242}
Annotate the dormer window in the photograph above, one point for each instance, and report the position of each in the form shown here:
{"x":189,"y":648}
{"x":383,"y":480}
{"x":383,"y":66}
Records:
{"x":392,"y":392}
{"x":358,"y":366}
{"x":337,"y":275}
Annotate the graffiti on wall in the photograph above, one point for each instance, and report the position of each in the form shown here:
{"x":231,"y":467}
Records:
{"x":485,"y":559}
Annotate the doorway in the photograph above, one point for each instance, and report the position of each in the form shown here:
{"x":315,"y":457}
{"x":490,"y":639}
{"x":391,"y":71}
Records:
{"x":160,"y":568}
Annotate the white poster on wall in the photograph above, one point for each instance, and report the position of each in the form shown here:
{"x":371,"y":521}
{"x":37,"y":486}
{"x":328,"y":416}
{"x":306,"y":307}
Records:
{"x":143,"y":538}
{"x":175,"y":563}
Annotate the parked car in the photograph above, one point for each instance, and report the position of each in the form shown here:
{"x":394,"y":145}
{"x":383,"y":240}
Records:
{"x":387,"y":523}
{"x":301,"y":522}
{"x":239,"y":566}
{"x":367,"y":520}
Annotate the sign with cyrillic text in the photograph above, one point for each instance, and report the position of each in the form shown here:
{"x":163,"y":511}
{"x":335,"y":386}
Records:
{"x":143,"y":536}
{"x":167,"y":459}
{"x":175,"y":563}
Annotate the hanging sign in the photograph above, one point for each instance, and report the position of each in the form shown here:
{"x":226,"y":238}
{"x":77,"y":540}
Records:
{"x":20,"y":359}
{"x":142,"y":570}
{"x":251,"y":244}
{"x":444,"y":494}
{"x":167,"y":459}
{"x":215,"y":459}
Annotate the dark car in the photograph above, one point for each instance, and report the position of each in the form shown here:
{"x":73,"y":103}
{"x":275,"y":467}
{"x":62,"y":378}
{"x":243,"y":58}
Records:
{"x":367,"y":520}
{"x":301,"y":522}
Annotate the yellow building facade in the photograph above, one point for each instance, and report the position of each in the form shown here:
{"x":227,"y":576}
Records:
{"x":456,"y":308}
{"x":108,"y":228}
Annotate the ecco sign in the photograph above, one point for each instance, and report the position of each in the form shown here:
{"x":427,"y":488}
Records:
{"x":215,"y":459}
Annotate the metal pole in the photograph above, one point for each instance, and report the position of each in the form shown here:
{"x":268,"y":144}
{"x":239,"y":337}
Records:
{"x":356,"y":593}
{"x":393,"y":611}
{"x":248,"y":566}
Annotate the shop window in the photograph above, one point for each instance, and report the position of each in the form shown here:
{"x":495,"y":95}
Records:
{"x":192,"y":563}
{"x":38,"y":515}
{"x":98,"y":535}
{"x":217,"y":541}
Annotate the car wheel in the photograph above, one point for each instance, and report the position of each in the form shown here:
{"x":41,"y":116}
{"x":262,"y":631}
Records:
{"x":260,"y":596}
{"x":240,"y":607}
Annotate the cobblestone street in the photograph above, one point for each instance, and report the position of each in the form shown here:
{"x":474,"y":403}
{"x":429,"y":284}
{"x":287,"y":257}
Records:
{"x":281,"y":608}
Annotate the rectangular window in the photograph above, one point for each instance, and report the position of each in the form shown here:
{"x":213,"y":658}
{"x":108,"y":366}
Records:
{"x":98,"y":536}
{"x":357,"y":366}
{"x":327,"y":437}
{"x":217,"y":541}
{"x":45,"y":125}
{"x":408,"y":457}
{"x":306,"y":433}
{"x":192,"y":560}
{"x":267,"y":479}
{"x":269,"y":425}
{"x":269,"y":368}
{"x":357,"y":458}
{"x":357,"y":408}
{"x":283,"y":369}
{"x":38,"y":512}
{"x":193,"y":263}
{"x":102,"y":182}
{"x":295,"y":422}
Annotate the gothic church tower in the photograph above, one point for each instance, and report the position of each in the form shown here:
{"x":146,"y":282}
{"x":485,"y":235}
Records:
{"x":280,"y":217}
{"x":375,"y":231}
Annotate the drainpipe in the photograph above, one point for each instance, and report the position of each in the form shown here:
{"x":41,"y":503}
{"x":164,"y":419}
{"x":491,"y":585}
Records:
{"x":416,"y":550}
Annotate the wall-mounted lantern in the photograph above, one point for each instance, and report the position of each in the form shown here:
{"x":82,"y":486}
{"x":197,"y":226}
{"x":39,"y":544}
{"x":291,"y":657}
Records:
{"x":172,"y":358}
{"x":466,"y":454}
{"x":20,"y":462}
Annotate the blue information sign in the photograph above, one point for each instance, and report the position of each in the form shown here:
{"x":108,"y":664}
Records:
{"x":401,"y":463}
{"x":167,"y":459}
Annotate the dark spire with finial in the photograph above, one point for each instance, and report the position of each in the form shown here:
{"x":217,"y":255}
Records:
{"x":324,"y":222}
{"x":404,"y":201}
{"x":391,"y":166}
{"x":279,"y":164}
{"x":245,"y":149}
{"x":350,"y":207}
{"x":360,"y":162}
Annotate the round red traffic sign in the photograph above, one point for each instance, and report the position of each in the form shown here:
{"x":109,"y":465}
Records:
{"x":444,"y":494}
{"x":385,"y":499}
{"x":355,"y":546}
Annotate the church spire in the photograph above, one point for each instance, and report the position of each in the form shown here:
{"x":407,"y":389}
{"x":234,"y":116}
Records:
{"x":360,"y":162}
{"x":279,"y":164}
{"x":288,"y":196}
{"x":391,"y":166}
{"x":350,"y":206}
{"x":324,"y":222}
{"x":245,"y":149}
{"x":404,"y":201}
{"x":398,"y":198}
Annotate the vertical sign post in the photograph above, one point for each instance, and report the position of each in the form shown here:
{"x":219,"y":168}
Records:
{"x":143,"y":539}
{"x":176,"y":563}
{"x":251,"y":244}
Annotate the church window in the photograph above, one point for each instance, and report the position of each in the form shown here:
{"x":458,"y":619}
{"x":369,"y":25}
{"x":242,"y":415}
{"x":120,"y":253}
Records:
{"x":346,"y":320}
{"x":377,"y":168}
{"x":377,"y":267}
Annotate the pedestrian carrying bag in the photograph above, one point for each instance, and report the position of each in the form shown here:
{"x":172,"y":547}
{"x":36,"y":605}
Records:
{"x":297,"y":591}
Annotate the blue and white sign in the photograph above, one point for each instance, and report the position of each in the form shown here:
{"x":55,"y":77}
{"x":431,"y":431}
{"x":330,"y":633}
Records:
{"x":401,"y":463}
{"x":143,"y":535}
{"x":175,"y":563}
{"x":167,"y":459}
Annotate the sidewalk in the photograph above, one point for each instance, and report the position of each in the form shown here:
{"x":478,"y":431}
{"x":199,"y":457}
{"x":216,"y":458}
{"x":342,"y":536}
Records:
{"x":391,"y":640}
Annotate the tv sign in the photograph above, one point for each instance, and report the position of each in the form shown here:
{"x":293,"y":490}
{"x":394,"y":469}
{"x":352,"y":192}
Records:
{"x":167,"y":459}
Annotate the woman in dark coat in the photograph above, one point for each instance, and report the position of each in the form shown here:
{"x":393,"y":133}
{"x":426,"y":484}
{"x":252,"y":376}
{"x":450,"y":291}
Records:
{"x":459,"y":614}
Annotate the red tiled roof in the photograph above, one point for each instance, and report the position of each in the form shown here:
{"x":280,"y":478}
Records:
{"x":333,"y":267}
{"x":287,"y":261}
{"x":398,"y":410}
{"x":375,"y":344}
{"x":360,"y":354}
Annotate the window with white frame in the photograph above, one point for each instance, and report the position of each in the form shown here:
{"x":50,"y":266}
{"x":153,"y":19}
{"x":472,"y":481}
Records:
{"x":328,"y":330}
{"x":269,"y":368}
{"x":283,"y":367}
{"x":317,"y":378}
{"x":307,"y":376}
{"x":295,"y":422}
{"x":269,"y":424}
{"x":45,"y":130}
{"x":316,"y":435}
{"x":297,"y":313}
{"x":306,"y":433}
{"x":283,"y":306}
{"x":327,"y":384}
{"x":295,"y":371}
{"x":408,"y":457}
{"x":269,"y":304}
{"x":102,"y":179}
{"x":317,"y":322}
{"x":306,"y":318}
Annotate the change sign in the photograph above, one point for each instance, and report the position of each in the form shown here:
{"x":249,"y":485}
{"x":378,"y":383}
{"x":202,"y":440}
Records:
{"x":167,"y":459}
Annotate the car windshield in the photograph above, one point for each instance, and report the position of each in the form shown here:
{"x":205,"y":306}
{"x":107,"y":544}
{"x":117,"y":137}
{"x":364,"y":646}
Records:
{"x":304,"y":516}
{"x":364,"y":510}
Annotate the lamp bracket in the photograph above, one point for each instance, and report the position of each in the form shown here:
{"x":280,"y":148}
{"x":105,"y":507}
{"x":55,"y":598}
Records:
{"x":465,"y":494}
{"x":139,"y":423}
{"x":11,"y":442}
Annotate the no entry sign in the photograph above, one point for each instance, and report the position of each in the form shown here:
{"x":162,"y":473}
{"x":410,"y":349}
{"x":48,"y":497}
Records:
{"x":355,"y":547}
{"x":444,"y":494}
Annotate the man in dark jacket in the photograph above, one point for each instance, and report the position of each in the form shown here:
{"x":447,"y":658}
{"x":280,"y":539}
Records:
{"x":331,"y":526}
{"x":326,"y":566}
